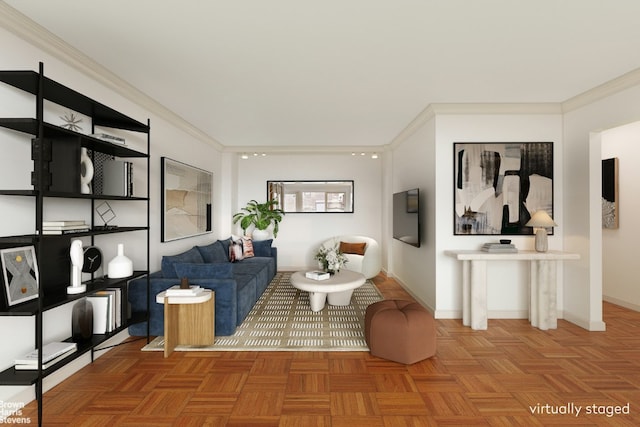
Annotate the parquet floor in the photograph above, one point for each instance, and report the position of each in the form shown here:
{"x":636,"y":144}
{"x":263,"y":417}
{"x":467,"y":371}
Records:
{"x":510,"y":375}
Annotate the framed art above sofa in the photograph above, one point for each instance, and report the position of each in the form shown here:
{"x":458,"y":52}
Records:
{"x":186,"y":200}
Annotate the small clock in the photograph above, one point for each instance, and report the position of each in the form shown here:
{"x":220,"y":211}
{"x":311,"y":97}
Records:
{"x":92,"y":259}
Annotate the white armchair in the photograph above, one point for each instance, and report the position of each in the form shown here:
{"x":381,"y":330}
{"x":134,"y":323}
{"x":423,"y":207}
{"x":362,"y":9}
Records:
{"x":368,"y":264}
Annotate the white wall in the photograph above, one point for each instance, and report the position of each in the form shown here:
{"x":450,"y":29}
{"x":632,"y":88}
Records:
{"x":414,"y":166}
{"x":583,"y":209}
{"x":301,"y":233}
{"x":619,"y":260}
{"x":507,"y":290}
{"x":16,"y":213}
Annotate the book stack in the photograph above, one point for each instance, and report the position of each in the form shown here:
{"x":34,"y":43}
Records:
{"x":177,"y":291}
{"x":107,"y":310}
{"x":499,"y":248}
{"x":52,"y":353}
{"x":64,"y":227}
{"x":317,"y":275}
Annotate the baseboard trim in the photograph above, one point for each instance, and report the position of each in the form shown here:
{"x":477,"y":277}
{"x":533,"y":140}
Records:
{"x":621,"y":303}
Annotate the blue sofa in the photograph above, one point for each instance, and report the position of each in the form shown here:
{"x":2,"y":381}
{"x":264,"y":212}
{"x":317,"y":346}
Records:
{"x":237,"y":285}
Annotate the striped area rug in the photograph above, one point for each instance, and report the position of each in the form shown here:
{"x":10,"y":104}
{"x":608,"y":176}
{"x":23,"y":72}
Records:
{"x":282,"y":320}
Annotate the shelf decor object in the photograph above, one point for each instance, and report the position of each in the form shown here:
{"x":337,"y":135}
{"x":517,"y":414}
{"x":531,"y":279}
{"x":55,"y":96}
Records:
{"x":77,"y":261}
{"x":86,"y":171}
{"x":186,"y":200}
{"x":498,"y":186}
{"x":20,"y":274}
{"x":541,"y":221}
{"x":82,"y":321}
{"x":120,"y":266}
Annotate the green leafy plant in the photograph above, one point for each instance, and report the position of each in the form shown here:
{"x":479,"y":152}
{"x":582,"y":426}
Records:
{"x":261,"y":215}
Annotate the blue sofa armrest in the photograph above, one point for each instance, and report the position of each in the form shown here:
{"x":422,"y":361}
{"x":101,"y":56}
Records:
{"x":225,"y":302}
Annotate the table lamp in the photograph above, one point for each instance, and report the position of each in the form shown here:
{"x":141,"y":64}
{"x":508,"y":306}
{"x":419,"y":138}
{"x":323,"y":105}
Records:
{"x":540,"y":221}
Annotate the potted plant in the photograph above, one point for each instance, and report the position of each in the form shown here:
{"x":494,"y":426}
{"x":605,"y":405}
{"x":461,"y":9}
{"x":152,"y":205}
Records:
{"x":261,"y":216}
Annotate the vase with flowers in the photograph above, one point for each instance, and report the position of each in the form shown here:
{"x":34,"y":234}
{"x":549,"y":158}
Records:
{"x":331,"y":259}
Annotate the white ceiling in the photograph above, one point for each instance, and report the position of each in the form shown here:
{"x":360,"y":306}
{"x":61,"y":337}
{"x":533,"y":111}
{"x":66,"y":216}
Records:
{"x":344,"y":72}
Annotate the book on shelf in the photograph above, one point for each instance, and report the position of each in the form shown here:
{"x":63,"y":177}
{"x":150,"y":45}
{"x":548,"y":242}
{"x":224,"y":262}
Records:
{"x":48,"y":231}
{"x":109,"y":138}
{"x":102,"y":314}
{"x":499,"y":248}
{"x":177,"y":291}
{"x":317,"y":275}
{"x":115,"y":306}
{"x":117,"y":178}
{"x":63,"y":223}
{"x":33,"y":366}
{"x":65,"y":227}
{"x":50,"y":351}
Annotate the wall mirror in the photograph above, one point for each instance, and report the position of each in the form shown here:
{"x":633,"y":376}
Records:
{"x":312,"y":196}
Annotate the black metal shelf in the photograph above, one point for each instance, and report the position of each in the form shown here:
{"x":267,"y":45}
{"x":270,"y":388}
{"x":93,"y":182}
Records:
{"x":55,"y":92}
{"x":54,"y":300}
{"x":13,"y":376}
{"x":55,"y":153}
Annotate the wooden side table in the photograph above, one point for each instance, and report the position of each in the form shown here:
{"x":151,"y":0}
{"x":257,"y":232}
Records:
{"x":188,"y":320}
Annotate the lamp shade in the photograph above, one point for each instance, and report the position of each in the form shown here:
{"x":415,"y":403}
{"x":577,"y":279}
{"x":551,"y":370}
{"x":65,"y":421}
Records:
{"x":541,"y":219}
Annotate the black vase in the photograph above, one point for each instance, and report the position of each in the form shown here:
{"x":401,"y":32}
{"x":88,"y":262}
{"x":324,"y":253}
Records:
{"x":82,"y":321}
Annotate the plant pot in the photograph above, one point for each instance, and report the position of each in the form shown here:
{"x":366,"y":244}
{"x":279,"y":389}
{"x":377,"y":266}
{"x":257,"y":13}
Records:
{"x":258,"y":235}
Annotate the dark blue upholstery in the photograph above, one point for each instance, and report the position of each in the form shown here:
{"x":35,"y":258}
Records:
{"x":234,"y":296}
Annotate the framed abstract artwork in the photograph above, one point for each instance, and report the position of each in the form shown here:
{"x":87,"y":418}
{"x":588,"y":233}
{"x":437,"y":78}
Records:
{"x":610,"y":208}
{"x":186,"y":200}
{"x":498,"y":186}
{"x":20,"y":274}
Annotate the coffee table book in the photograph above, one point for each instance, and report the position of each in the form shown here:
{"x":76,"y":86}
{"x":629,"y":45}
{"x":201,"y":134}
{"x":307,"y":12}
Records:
{"x":177,"y":291}
{"x":317,"y":275}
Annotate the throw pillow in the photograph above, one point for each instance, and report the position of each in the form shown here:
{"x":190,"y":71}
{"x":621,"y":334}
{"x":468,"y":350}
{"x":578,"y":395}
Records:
{"x":191,"y":256}
{"x":352,"y":248}
{"x":216,"y":270}
{"x":247,"y":247}
{"x":235,"y":251}
{"x":262,"y":247}
{"x":215,"y":252}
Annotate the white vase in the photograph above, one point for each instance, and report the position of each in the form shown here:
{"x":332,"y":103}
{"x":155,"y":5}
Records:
{"x":120,"y":266}
{"x":258,"y":235}
{"x":86,"y":171}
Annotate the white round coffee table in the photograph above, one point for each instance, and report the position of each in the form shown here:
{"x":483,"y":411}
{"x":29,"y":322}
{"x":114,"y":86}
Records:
{"x":337,"y":289}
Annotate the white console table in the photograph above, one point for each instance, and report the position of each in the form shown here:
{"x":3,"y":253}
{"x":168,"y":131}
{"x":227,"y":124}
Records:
{"x":543,"y":312}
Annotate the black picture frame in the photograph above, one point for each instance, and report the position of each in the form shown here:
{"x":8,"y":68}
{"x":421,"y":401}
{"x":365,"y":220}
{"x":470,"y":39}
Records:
{"x":186,"y":200}
{"x":499,"y":185}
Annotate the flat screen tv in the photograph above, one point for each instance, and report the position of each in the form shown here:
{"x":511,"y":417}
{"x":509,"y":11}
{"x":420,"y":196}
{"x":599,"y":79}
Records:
{"x":406,"y":217}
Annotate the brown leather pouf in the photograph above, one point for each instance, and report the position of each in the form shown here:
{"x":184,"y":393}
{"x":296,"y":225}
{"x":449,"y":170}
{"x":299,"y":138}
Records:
{"x":402,"y":331}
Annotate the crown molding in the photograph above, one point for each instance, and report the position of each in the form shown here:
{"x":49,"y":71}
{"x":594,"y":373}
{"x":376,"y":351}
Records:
{"x":29,"y":31}
{"x":434,"y":110}
{"x":310,"y":149}
{"x":623,"y":82}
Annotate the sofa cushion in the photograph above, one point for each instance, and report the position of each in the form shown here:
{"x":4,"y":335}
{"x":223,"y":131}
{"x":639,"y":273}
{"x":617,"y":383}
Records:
{"x":247,"y":247}
{"x":352,"y":248}
{"x":190,"y":256}
{"x":216,"y":270}
{"x":262,"y":247}
{"x":235,"y":251}
{"x":214,"y":252}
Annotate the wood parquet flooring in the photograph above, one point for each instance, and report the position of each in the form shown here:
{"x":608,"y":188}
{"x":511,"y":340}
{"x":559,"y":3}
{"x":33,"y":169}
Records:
{"x":509,"y":375}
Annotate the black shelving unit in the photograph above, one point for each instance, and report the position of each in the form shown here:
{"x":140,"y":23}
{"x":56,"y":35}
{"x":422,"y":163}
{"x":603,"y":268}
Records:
{"x":55,"y":152}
